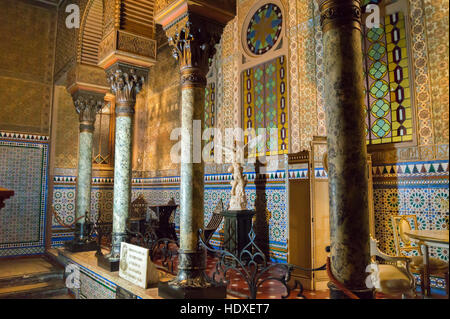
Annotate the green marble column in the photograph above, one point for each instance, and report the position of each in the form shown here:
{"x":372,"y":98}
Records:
{"x":347,"y":157}
{"x":126,"y":82}
{"x":193,"y":46}
{"x":122,"y":180}
{"x":87,"y":105}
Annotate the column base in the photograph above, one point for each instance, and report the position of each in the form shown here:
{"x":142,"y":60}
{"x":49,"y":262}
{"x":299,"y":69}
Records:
{"x":191,"y":281}
{"x":108,"y":263}
{"x":336,"y":293}
{"x":168,"y":291}
{"x":76,"y":246}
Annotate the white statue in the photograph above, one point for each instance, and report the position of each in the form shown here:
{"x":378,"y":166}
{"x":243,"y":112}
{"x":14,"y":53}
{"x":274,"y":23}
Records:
{"x":238,"y":199}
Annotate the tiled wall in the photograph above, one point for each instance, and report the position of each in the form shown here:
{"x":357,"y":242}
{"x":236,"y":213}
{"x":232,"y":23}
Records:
{"x":412,"y":188}
{"x":159,"y":191}
{"x":23,"y":168}
{"x":420,"y":189}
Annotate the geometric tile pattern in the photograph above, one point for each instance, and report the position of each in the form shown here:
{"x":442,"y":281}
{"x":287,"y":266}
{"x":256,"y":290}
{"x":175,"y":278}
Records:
{"x":420,"y":189}
{"x":422,"y":88}
{"x":24,"y":160}
{"x":437,"y":30}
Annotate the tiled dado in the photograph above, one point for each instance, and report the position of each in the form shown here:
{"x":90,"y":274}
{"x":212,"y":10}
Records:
{"x":265,"y":191}
{"x":24,"y":162}
{"x":413,"y":188}
{"x":91,"y":285}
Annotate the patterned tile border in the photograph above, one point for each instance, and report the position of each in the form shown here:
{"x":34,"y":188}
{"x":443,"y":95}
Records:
{"x":18,"y":141}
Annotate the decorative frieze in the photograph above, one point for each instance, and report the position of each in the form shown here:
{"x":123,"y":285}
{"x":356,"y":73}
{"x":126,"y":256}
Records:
{"x":128,"y":47}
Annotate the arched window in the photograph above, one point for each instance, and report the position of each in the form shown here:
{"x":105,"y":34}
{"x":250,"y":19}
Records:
{"x":388,"y":82}
{"x":264,"y":82}
{"x":103,"y":144}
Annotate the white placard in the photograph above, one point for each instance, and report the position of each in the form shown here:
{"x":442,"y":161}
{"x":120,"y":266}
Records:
{"x":133,"y":264}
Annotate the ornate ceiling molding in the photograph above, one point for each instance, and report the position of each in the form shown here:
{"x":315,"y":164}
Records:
{"x":128,"y":34}
{"x":169,"y":12}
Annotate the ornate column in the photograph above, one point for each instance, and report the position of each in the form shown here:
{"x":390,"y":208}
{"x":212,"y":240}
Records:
{"x":126,"y":82}
{"x":347,"y":156}
{"x":87,"y":104}
{"x":193,"y":39}
{"x":126,"y":53}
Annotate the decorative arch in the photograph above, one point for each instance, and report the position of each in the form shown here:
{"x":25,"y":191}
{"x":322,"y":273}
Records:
{"x":91,"y":32}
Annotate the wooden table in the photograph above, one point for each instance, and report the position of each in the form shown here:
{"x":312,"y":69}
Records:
{"x":4,"y":195}
{"x":425,"y":238}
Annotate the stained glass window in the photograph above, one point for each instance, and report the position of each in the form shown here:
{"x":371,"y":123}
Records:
{"x":264,"y":29}
{"x":264,"y":90}
{"x":387,"y":86}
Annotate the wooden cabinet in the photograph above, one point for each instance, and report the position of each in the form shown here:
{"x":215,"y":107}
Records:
{"x":308,"y":213}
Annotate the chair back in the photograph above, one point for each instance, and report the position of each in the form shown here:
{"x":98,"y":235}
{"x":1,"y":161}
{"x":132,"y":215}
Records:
{"x":214,"y":222}
{"x":138,"y":208}
{"x":403,"y":244}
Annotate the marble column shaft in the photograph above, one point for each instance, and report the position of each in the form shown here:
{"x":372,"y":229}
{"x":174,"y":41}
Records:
{"x":122,"y":178}
{"x":87,"y":106}
{"x":125,"y":84}
{"x":193,"y":45}
{"x":84,"y":177}
{"x":347,"y":156}
{"x":192,"y":174}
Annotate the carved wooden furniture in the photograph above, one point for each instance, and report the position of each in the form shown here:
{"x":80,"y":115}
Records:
{"x":103,"y":231}
{"x":237,"y":227}
{"x":392,"y":273}
{"x":422,"y":264}
{"x":165,"y":229}
{"x":137,"y":221}
{"x":213,"y":223}
{"x":4,"y":195}
{"x":308,"y":212}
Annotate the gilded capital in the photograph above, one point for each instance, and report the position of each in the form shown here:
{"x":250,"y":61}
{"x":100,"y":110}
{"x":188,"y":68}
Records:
{"x":193,"y":42}
{"x":126,"y":82}
{"x":87,"y":106}
{"x":338,"y":13}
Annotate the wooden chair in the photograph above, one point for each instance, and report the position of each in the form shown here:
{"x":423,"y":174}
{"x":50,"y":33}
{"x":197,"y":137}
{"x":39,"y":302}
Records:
{"x":393,"y":273}
{"x":136,"y":221}
{"x":403,"y":245}
{"x":214,"y":222}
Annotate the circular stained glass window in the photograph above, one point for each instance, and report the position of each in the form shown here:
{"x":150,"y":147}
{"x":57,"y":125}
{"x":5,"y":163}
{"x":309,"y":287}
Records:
{"x":264,"y":29}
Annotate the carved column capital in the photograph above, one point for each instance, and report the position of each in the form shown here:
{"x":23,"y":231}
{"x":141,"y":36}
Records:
{"x":193,"y":41}
{"x":126,"y":82}
{"x":87,"y":105}
{"x":337,"y":13}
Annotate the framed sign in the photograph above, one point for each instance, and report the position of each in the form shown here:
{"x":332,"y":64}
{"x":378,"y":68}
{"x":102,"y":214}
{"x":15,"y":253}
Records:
{"x":133,"y":264}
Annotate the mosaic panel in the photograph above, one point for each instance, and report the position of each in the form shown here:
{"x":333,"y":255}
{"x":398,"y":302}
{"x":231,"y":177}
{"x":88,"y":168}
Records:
{"x":420,"y":189}
{"x":24,"y":161}
{"x":64,"y":206}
